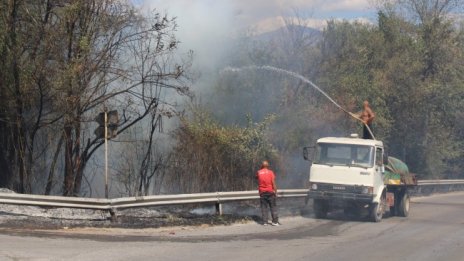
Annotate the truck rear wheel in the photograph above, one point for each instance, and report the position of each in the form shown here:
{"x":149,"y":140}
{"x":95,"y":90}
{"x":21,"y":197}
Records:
{"x":393,"y":211}
{"x":403,"y":206}
{"x":394,"y":208}
{"x":321,"y":208}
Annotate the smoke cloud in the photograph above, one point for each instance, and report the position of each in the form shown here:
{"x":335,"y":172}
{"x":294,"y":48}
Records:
{"x":209,"y":26}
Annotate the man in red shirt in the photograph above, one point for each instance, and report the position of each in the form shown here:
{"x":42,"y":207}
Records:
{"x":267,"y":193}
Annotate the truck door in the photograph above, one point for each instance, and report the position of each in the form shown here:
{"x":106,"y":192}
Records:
{"x":380,"y":171}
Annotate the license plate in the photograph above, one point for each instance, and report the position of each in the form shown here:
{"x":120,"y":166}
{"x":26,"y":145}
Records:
{"x":338,"y":187}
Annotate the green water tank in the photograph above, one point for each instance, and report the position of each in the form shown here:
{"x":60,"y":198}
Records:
{"x":397,"y":173}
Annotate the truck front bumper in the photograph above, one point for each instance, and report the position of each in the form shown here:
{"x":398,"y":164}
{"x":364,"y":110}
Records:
{"x":341,"y":196}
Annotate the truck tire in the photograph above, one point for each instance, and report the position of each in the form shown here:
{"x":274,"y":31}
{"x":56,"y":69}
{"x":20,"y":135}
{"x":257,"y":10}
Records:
{"x":320,"y":207}
{"x":377,"y":210}
{"x":392,"y":211}
{"x":394,"y":208}
{"x":403,"y":204}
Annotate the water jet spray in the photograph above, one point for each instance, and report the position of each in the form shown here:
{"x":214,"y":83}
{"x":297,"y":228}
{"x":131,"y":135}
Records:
{"x":304,"y":79}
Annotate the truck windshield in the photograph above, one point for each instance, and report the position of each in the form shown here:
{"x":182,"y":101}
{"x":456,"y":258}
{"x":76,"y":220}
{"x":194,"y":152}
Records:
{"x":344,"y":154}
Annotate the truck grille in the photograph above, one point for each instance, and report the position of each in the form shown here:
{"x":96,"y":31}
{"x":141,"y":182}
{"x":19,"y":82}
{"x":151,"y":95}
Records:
{"x":339,"y":188}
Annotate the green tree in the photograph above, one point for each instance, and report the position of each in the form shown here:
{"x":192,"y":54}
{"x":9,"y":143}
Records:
{"x":210,"y":157}
{"x":424,"y":76}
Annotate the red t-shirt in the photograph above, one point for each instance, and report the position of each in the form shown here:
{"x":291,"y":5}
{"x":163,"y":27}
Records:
{"x":265,"y":179}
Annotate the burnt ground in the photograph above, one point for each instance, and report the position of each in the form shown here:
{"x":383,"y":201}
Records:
{"x":28,"y":217}
{"x":124,"y":222}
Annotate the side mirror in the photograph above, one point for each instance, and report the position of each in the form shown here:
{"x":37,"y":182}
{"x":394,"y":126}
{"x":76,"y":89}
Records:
{"x":382,"y":169}
{"x":385,"y":158}
{"x":308,"y":153}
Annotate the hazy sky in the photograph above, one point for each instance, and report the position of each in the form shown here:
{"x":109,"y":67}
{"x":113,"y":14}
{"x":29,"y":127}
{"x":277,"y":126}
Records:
{"x":206,"y":26}
{"x":262,"y":14}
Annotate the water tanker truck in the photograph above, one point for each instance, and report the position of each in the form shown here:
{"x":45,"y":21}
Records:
{"x":355,"y":175}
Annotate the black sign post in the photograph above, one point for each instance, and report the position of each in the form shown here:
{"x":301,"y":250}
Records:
{"x":113,"y":123}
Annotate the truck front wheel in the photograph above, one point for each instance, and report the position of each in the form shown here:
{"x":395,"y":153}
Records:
{"x":377,"y":210}
{"x":403,"y":206}
{"x":321,"y":208}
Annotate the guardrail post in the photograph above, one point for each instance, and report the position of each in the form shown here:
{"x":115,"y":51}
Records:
{"x":219,"y":208}
{"x":218,"y":204}
{"x":114,"y":216}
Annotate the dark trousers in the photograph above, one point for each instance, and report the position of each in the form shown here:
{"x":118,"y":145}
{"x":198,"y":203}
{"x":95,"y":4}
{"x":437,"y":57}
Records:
{"x":268,"y":199}
{"x":366,"y":133}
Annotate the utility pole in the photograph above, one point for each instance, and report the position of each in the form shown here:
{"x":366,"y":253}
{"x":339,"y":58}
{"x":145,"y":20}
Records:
{"x":106,"y":152}
{"x":108,"y":122}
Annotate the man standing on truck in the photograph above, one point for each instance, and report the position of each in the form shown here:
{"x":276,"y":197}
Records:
{"x":267,"y":193}
{"x":367,"y":116}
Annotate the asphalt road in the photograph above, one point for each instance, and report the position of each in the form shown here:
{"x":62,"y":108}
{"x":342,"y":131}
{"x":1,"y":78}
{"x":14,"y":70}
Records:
{"x":433,"y":231}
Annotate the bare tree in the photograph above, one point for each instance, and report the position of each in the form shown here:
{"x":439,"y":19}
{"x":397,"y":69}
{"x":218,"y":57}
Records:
{"x":70,"y":59}
{"x":144,"y":158}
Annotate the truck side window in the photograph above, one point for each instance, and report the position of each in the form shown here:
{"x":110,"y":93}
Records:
{"x":378,"y":157}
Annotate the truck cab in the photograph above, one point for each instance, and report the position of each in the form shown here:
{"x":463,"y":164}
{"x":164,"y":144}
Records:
{"x":348,"y":174}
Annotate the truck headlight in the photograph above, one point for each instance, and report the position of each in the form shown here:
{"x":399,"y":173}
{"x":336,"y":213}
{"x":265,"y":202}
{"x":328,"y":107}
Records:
{"x":314,"y":186}
{"x":367,"y":190}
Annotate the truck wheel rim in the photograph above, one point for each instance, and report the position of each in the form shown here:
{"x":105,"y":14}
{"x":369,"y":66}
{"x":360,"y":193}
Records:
{"x":380,"y":208}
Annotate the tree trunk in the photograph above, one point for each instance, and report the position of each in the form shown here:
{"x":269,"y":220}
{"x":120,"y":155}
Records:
{"x":68,"y":162}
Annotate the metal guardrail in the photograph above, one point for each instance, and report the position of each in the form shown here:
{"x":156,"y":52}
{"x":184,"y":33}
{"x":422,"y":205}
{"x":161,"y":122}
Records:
{"x":54,"y":201}
{"x":142,"y":201}
{"x":159,"y":200}
{"x":427,"y":187}
{"x":441,"y":182}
